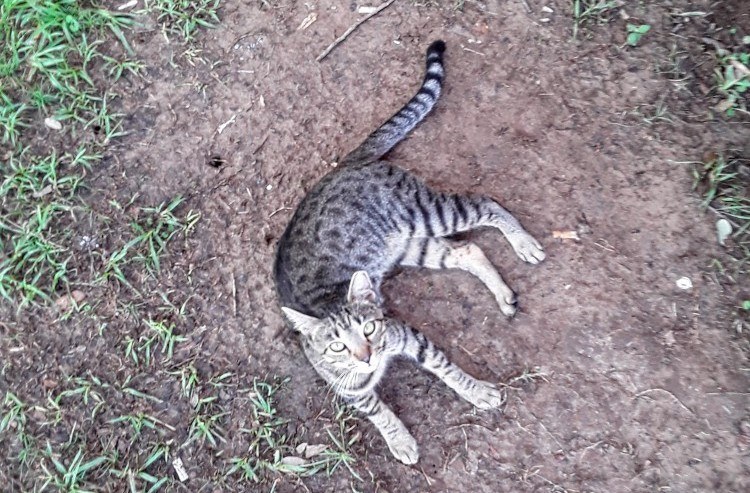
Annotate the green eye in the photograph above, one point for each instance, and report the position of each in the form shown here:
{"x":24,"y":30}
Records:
{"x":336,"y":347}
{"x":368,"y":329}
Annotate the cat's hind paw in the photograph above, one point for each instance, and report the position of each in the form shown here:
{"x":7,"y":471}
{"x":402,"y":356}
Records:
{"x":526,"y":247}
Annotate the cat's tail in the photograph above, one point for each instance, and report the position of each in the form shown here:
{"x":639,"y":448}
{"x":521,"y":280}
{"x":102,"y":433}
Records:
{"x":395,"y":129}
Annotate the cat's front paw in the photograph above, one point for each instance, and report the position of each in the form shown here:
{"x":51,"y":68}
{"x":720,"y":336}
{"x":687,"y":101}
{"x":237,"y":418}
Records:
{"x":404,"y":448}
{"x":485,"y":396}
{"x":526,"y":247}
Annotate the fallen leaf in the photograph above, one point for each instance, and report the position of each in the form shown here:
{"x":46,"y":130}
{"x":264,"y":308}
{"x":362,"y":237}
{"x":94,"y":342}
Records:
{"x":313,"y":450}
{"x":724,"y":105}
{"x":49,"y":383}
{"x":69,"y":300}
{"x":292,"y":460}
{"x":566,"y":235}
{"x":127,"y":5}
{"x":307,"y":21}
{"x":740,"y":66}
{"x":723,"y":230}
{"x":41,"y":193}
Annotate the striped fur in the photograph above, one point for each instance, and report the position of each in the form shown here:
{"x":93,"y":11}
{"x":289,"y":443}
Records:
{"x":355,"y":226}
{"x":395,"y":129}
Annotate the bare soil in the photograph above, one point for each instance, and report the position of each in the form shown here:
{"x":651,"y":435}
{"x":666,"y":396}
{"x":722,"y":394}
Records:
{"x":645,"y":385}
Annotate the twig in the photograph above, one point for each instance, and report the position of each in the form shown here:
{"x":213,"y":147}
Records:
{"x":644,"y":392}
{"x":526,"y":6}
{"x":234,"y":296}
{"x":354,"y":26}
{"x":426,"y":477}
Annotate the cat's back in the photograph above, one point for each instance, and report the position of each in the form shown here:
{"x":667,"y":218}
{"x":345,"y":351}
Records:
{"x":342,"y":225}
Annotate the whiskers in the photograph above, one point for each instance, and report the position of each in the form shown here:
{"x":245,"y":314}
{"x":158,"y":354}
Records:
{"x":342,"y":382}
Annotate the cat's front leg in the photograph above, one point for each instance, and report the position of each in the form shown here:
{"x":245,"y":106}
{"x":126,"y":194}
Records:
{"x":481,"y":394}
{"x":399,"y":440}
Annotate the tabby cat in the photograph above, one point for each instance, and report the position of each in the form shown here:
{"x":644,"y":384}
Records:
{"x":356,"y":225}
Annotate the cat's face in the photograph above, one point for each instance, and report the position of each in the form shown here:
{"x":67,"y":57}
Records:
{"x":354,"y":339}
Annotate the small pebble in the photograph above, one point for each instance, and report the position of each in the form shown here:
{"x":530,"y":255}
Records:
{"x":50,"y":122}
{"x":684,"y":283}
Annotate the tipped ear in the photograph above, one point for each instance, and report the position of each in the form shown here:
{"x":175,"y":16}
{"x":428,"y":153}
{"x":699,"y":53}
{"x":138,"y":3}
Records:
{"x":361,"y":289}
{"x":300,"y":322}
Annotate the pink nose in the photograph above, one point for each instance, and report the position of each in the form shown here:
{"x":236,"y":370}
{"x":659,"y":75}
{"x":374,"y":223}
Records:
{"x":364,"y":354}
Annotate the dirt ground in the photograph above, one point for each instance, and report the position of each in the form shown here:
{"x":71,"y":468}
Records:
{"x":641,"y":386}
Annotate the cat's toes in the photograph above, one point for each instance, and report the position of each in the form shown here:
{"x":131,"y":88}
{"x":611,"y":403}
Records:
{"x":508,"y":304}
{"x":487,"y":396}
{"x":527,"y":247}
{"x":404,"y":448}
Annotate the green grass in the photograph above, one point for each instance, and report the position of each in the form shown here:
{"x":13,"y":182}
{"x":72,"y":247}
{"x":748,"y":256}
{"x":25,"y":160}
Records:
{"x":151,"y":233}
{"x":34,"y":193}
{"x":733,"y":81}
{"x":75,"y":475}
{"x":159,"y":336}
{"x":184,"y":18}
{"x":726,"y":190}
{"x":59,"y":66}
{"x":588,"y":11}
{"x":271,"y":452}
{"x":53,"y":63}
{"x":47,"y":49}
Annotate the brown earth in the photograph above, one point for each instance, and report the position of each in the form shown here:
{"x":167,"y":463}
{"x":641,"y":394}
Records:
{"x":641,"y":386}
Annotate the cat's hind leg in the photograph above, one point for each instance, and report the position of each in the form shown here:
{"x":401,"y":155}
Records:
{"x":440,"y":253}
{"x":456,"y":213}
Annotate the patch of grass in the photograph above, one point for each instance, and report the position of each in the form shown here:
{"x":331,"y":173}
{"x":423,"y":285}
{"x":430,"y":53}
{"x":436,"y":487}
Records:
{"x":159,"y":336}
{"x":733,"y":81}
{"x":157,"y":226}
{"x":724,"y":184}
{"x":47,"y":49}
{"x":73,"y":477}
{"x":185,"y":17}
{"x":586,"y":11}
{"x":272,"y":452}
{"x":13,"y":420}
{"x":139,"y":421}
{"x":140,"y":474}
{"x":34,"y":193}
{"x":726,"y":190}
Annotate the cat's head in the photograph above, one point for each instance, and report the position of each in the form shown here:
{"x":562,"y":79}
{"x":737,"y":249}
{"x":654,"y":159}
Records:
{"x":353,"y":339}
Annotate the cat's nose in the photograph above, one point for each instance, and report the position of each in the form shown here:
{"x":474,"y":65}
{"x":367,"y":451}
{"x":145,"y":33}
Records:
{"x":364,"y":354}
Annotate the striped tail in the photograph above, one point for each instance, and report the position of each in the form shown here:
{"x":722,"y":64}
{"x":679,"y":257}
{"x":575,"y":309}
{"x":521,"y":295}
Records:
{"x":395,"y":129}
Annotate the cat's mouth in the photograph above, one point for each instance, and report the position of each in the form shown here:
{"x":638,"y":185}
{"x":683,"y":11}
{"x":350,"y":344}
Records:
{"x":366,"y":368}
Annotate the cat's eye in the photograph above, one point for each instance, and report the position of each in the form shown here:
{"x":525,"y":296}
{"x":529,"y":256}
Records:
{"x":368,"y":329}
{"x":336,"y":346}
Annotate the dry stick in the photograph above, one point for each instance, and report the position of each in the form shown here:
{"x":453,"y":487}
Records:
{"x":354,"y":26}
{"x":526,"y":6}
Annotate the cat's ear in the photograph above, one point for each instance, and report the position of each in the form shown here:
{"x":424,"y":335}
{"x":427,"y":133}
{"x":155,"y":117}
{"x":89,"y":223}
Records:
{"x":361,"y":289}
{"x":301,"y":322}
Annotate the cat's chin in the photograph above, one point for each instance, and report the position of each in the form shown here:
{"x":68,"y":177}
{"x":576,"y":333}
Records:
{"x":366,"y":369}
